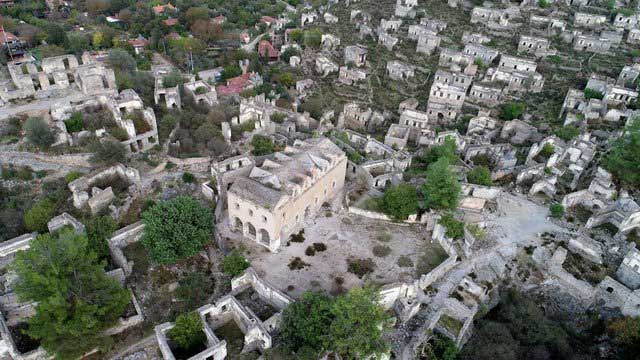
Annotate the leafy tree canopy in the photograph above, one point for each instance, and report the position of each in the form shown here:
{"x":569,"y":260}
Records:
{"x":176,"y":229}
{"x":38,"y":132}
{"x":442,"y":188}
{"x":108,"y":152}
{"x":76,"y":300}
{"x":234,"y":264}
{"x":400,"y":201}
{"x":480,"y":175}
{"x":623,"y":160}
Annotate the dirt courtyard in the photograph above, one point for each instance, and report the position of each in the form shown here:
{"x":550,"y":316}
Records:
{"x":400,"y":249}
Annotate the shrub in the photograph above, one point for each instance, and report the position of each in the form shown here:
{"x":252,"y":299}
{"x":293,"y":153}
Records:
{"x":176,"y":229}
{"x":310,"y":251}
{"x":381,"y":250}
{"x":188,"y":177}
{"x":405,"y":261}
{"x":319,"y":247}
{"x":400,"y":201}
{"x":623,"y":160}
{"x":36,"y":218}
{"x":556,"y":210}
{"x":298,"y":238}
{"x":187,"y":332}
{"x":74,"y":123}
{"x":360,"y":267}
{"x":173,"y":79}
{"x":480,"y":175}
{"x":234,"y":264}
{"x":99,"y":229}
{"x":262,"y":145}
{"x":108,"y":152}
{"x":547,"y":151}
{"x":38,"y":132}
{"x":455,"y":228}
{"x":297,"y":264}
{"x":567,"y":133}
{"x":72,"y":175}
{"x":593,"y":94}
{"x":512,"y":110}
{"x":200,"y":90}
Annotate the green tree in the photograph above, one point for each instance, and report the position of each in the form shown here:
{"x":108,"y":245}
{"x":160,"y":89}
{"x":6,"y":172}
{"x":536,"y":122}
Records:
{"x":512,"y":110}
{"x":312,"y":38}
{"x":480,"y":175}
{"x":38,"y":132}
{"x":305,"y":322}
{"x":99,"y":229}
{"x":593,"y":94}
{"x":262,"y":145}
{"x":36,"y":218}
{"x":76,"y":300}
{"x":76,"y":43}
{"x":567,"y":133}
{"x":356,"y":329}
{"x":108,"y":152}
{"x":623,"y":159}
{"x":442,"y":188}
{"x":74,"y":123}
{"x":234,"y":264}
{"x":176,"y":229}
{"x":230,"y":71}
{"x":187,"y":332}
{"x":446,"y":150}
{"x":55,"y":34}
{"x":400,"y":201}
{"x":454,"y":228}
{"x":121,"y":60}
{"x":296,"y":35}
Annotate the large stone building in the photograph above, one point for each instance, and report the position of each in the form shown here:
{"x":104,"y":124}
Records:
{"x":276,"y":197}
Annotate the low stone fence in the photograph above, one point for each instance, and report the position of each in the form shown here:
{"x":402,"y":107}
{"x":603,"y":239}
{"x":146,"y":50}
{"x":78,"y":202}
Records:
{"x":196,"y":164}
{"x":119,"y":240}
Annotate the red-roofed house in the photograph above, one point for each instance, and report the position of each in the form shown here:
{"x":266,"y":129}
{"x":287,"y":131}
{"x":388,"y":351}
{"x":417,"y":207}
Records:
{"x":266,"y":50}
{"x":139,"y":44}
{"x":170,"y":22}
{"x":236,"y":85}
{"x":162,"y":8}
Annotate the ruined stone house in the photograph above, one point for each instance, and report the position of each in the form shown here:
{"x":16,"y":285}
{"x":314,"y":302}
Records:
{"x":169,"y":96}
{"x":485,"y":95}
{"x":356,"y":55}
{"x":398,"y":70}
{"x":590,"y":21}
{"x":351,"y":76}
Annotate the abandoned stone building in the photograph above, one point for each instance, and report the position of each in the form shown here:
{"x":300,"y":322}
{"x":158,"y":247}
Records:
{"x":591,"y":21}
{"x":253,"y":306}
{"x":485,"y":95}
{"x":433,"y":25}
{"x":398,"y":70}
{"x":324,"y":66}
{"x":329,"y":42}
{"x":356,"y":55}
{"x":519,"y":74}
{"x":387,"y":40}
{"x":202,"y":92}
{"x":474,"y":38}
{"x":392,"y":24}
{"x":591,"y":43}
{"x":534,"y":45}
{"x":629,"y":270}
{"x":353,"y":117}
{"x":482,"y":129}
{"x":634,"y":36}
{"x":455,"y":59}
{"x":416,"y":31}
{"x":485,"y":54}
{"x":397,"y":136}
{"x":494,"y":18}
{"x":416,"y":120}
{"x":53,"y":75}
{"x":285,"y":190}
{"x":624,"y":21}
{"x":427,"y":43}
{"x":351,"y":76}
{"x":406,"y":8}
{"x":330,"y":18}
{"x":169,"y":96}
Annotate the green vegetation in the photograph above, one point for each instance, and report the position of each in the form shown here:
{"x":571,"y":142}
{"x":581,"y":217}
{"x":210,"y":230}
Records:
{"x":76,"y":300}
{"x":108,"y":152}
{"x":593,"y":94}
{"x":567,"y":133}
{"x":455,"y":228}
{"x":400,"y":201}
{"x":556,"y":210}
{"x":173,"y":79}
{"x":623,"y":160}
{"x":350,"y":324}
{"x":99,"y":230}
{"x":37,"y":217}
{"x":262,"y":145}
{"x":176,"y":229}
{"x":188,"y":177}
{"x":442,"y":189}
{"x":75,"y":123}
{"x":187,"y":332}
{"x":39,"y":133}
{"x":234,"y":264}
{"x":480,"y":175}
{"x":512,"y":110}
